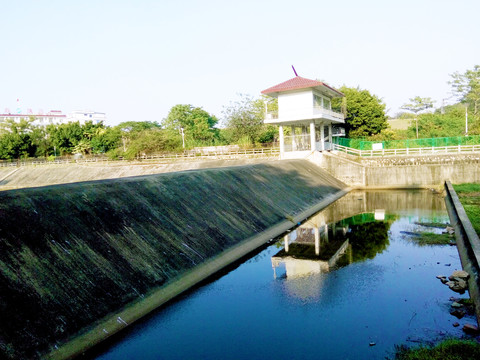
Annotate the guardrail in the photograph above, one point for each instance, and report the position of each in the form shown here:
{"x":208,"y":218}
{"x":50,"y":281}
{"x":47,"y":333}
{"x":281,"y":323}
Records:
{"x":409,"y":151}
{"x":252,"y":153}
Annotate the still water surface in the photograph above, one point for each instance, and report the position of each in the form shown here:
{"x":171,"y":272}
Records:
{"x":346,"y":284}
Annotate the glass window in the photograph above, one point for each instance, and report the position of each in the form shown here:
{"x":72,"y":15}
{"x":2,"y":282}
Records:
{"x":317,"y":101}
{"x":326,"y":103}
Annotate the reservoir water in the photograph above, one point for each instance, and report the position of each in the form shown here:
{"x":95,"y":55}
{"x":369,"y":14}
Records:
{"x":348,"y":283}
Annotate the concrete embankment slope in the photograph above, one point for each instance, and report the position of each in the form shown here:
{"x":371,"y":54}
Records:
{"x":75,"y":258}
{"x":44,"y":175}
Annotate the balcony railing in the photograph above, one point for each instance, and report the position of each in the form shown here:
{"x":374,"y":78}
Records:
{"x":299,"y":113}
{"x":317,"y":110}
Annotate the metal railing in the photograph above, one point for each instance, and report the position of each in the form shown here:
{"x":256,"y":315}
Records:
{"x":362,"y":144}
{"x":457,"y":149}
{"x":225,"y":155}
{"x":321,"y":110}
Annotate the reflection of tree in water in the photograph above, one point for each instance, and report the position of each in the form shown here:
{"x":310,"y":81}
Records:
{"x":368,"y":240}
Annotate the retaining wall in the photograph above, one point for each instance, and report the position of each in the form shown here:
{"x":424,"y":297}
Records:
{"x":401,"y":172}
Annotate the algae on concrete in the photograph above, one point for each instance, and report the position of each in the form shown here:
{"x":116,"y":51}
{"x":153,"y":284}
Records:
{"x":72,"y":254}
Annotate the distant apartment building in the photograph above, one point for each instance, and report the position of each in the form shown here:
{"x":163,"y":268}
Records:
{"x":54,"y":117}
{"x":83,"y":116}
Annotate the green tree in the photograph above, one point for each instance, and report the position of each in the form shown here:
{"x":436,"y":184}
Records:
{"x":451,"y":123}
{"x":16,"y":140}
{"x":196,"y":124}
{"x":245,"y":119}
{"x":416,"y":105}
{"x":151,"y":141}
{"x":466,"y":87}
{"x":364,"y":112}
{"x":65,"y":136}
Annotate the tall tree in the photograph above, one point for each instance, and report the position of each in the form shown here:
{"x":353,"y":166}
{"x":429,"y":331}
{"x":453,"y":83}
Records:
{"x":193,"y":122}
{"x":466,"y":87}
{"x":364,"y":112}
{"x":416,"y":105}
{"x":245,"y":118}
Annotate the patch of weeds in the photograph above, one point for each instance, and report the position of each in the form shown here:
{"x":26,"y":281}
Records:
{"x":433,"y":224}
{"x":451,"y":349}
{"x":428,"y":238}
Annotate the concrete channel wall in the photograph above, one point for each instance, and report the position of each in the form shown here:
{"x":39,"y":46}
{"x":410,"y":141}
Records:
{"x":400,"y":171}
{"x":80,"y":262}
{"x":468,"y":244}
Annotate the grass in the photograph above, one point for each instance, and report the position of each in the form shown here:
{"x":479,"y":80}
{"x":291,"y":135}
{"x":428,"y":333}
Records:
{"x":433,"y":224}
{"x":469,"y":195}
{"x":452,"y":349}
{"x":428,"y":238}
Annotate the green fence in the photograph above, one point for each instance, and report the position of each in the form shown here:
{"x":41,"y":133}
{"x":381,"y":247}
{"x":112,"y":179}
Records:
{"x":361,"y":144}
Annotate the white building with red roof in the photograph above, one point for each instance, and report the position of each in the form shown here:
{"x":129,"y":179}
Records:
{"x":305,"y":106}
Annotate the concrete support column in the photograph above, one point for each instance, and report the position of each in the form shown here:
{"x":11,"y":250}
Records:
{"x":322,"y":136}
{"x":330,"y":137}
{"x":312,"y":136}
{"x":286,"y":243}
{"x":326,"y":232}
{"x":282,"y":140}
{"x":317,"y":241}
{"x":294,"y":143}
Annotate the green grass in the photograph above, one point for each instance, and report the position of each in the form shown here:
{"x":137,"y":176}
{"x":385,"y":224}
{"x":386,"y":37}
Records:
{"x":428,"y":238}
{"x":469,"y":195}
{"x":466,"y":188}
{"x":433,"y":224}
{"x":451,"y":349}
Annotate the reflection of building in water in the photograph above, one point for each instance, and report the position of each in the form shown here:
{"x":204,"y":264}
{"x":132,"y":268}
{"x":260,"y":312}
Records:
{"x":309,"y":251}
{"x":312,"y":248}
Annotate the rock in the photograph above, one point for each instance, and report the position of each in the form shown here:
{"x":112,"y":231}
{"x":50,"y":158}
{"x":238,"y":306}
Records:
{"x":470,"y":329}
{"x":458,"y":286}
{"x":441,"y":277}
{"x":448,"y":264}
{"x":450,"y":230}
{"x":461,"y":274}
{"x":444,"y":281}
{"x":456,"y":305}
{"x":458,"y":313}
{"x":456,"y":324}
{"x":372,"y":344}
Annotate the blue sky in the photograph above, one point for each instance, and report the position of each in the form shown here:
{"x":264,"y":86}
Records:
{"x":134,"y":60}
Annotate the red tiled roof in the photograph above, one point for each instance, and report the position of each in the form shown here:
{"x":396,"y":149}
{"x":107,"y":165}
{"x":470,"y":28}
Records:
{"x":296,"y":83}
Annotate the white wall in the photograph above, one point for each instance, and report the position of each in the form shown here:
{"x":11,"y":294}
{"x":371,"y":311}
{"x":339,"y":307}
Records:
{"x":295,"y":105}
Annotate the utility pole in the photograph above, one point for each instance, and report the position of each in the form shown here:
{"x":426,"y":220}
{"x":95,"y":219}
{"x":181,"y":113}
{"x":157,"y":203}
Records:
{"x":183,"y":137}
{"x":466,"y":120}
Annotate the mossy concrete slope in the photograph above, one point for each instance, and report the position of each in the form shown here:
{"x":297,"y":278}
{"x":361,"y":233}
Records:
{"x":44,"y":175}
{"x":74,"y":255}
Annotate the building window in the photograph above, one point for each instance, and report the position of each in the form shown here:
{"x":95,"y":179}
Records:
{"x":322,"y":102}
{"x":327,"y":104}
